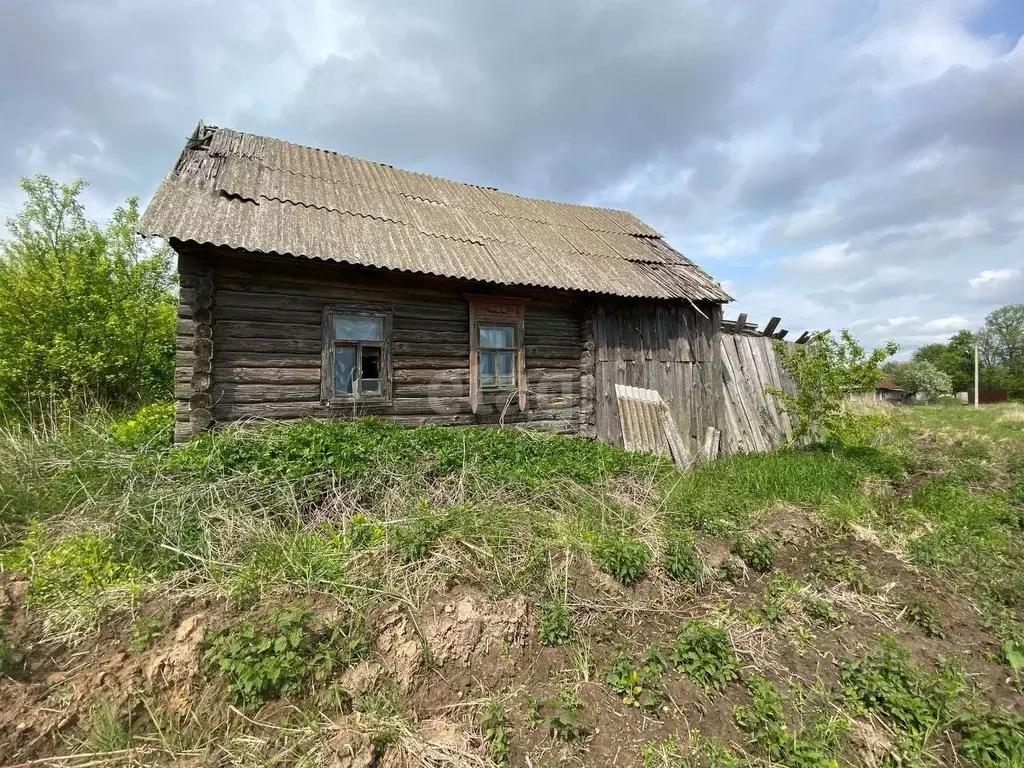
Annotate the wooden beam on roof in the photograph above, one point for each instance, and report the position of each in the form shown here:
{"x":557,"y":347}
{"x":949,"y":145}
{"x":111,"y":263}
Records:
{"x":781,"y":334}
{"x":804,"y":337}
{"x":770,"y":327}
{"x":741,"y":322}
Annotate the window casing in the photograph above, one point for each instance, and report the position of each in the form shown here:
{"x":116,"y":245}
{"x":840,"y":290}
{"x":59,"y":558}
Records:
{"x":497,"y":358}
{"x":356,"y":364}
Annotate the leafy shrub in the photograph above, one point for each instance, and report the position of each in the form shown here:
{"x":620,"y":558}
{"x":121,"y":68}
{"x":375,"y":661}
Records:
{"x":919,"y":377}
{"x":624,"y":559}
{"x":822,"y":611}
{"x":85,"y":312}
{"x":280,"y":654}
{"x":991,"y":738}
{"x":757,"y":552}
{"x":925,"y":615}
{"x":152,"y":426}
{"x":843,"y":568}
{"x":495,"y":724}
{"x":565,"y":726}
{"x":826,"y":371}
{"x":682,"y":561}
{"x":555,"y":624}
{"x":704,"y":653}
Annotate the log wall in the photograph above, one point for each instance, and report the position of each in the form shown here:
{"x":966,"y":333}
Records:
{"x":671,"y":347}
{"x":266,"y":344}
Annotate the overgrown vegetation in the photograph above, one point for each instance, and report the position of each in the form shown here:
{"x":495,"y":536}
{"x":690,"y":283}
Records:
{"x":103,"y":518}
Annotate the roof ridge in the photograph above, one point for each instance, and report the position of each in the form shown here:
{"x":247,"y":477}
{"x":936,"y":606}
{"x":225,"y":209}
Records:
{"x":399,"y":169}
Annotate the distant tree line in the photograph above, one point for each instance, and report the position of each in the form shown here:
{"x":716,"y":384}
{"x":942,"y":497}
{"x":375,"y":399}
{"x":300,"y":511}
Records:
{"x":937,"y":369}
{"x":87,"y":312}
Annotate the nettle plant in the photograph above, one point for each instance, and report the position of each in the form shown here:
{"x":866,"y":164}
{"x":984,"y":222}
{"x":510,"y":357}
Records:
{"x":623,"y":558}
{"x":826,"y":371}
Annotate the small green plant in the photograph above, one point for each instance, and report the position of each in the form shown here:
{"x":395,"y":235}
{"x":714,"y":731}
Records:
{"x":564,"y":726}
{"x":531,"y":708}
{"x":758,"y":552}
{"x":280,"y":654}
{"x":885,"y":683}
{"x":581,"y":658}
{"x":683,"y":562}
{"x":991,"y":738}
{"x":152,"y":426}
{"x":822,"y":611}
{"x":567,"y":698}
{"x":845,"y":569}
{"x":555,"y":624}
{"x":704,"y":653}
{"x":495,"y":724}
{"x":11,"y":657}
{"x":730,"y":570}
{"x":662,"y":754}
{"x":765,"y":721}
{"x":1013,"y":654}
{"x":925,"y":615}
{"x":416,"y":541}
{"x":106,"y":732}
{"x":622,"y":558}
{"x":633,"y":684}
{"x":144,"y":632}
{"x":363,"y":532}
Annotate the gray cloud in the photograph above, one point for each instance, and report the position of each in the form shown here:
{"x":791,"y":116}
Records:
{"x":752,"y":134}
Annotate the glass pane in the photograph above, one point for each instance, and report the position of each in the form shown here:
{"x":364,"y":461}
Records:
{"x":497,"y":337}
{"x":344,"y":369}
{"x":487,"y":376}
{"x":369,"y":386}
{"x":358,"y":328}
{"x":506,"y":370}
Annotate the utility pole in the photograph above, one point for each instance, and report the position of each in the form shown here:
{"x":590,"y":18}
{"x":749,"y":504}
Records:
{"x":977,"y":399}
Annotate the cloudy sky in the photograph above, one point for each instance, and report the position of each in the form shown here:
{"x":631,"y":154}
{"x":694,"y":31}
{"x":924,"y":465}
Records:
{"x":842,"y":164}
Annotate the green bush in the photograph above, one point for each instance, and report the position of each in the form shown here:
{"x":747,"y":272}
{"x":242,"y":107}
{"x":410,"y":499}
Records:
{"x":704,"y":653}
{"x":86,"y":314}
{"x":925,"y":614}
{"x":635,"y":685}
{"x":624,"y":559}
{"x":495,"y":723}
{"x":280,"y":654}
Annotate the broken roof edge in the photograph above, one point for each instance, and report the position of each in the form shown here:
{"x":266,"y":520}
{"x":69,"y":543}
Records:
{"x":327,"y":260}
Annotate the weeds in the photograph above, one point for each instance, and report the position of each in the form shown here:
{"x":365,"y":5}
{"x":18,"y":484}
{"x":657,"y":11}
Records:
{"x":144,"y":632}
{"x":635,"y":685}
{"x":991,"y":738}
{"x":624,"y":559}
{"x":682,"y":561}
{"x":555,"y":624}
{"x":925,"y":614}
{"x":704,"y":653}
{"x":280,"y":655}
{"x":495,"y":724}
{"x":757,"y":552}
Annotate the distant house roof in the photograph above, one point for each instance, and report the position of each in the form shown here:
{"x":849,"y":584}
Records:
{"x":269,"y":196}
{"x":888,"y":384}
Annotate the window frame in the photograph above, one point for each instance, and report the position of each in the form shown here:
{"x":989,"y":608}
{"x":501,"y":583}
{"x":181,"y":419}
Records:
{"x":327,"y":394}
{"x":496,"y":311}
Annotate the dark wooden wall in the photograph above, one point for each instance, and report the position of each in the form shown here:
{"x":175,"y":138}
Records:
{"x":265,"y":333}
{"x":672,"y":347}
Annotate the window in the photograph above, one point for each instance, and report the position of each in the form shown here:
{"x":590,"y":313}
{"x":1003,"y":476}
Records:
{"x":356,"y":364}
{"x":497,"y":364}
{"x":497,"y":346}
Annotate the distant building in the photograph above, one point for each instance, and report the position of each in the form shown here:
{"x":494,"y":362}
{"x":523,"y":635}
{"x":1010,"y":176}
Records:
{"x":887,"y":391}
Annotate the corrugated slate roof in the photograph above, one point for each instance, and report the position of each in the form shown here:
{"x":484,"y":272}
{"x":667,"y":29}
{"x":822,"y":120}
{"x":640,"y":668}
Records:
{"x":269,"y":196}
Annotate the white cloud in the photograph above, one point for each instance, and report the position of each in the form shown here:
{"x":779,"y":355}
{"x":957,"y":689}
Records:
{"x":828,"y":257}
{"x":950,"y":324}
{"x":997,"y":284}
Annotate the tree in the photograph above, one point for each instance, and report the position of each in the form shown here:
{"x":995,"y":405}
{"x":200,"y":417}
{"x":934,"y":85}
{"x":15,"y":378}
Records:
{"x":955,"y":359}
{"x":919,"y":377}
{"x":86,"y":313}
{"x":826,"y":371}
{"x":1001,"y":343}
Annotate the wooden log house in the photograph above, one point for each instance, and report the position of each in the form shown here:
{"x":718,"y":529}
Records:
{"x":318,"y":285}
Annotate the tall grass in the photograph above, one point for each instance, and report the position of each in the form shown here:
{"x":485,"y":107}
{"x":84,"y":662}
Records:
{"x":370,"y":512}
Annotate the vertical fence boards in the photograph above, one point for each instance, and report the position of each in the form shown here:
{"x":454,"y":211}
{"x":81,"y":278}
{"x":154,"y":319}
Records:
{"x":752,"y":420}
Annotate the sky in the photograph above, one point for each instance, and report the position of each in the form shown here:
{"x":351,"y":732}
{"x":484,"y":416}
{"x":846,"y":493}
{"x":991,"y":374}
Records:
{"x":845,"y":164}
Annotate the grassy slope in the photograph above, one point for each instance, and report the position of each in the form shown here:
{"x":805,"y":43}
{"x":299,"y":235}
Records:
{"x":367,"y":516}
